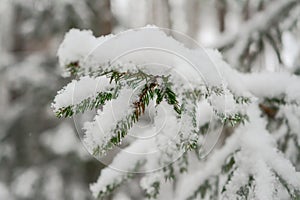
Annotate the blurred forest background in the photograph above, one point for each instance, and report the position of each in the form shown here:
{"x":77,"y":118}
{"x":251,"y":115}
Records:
{"x":41,"y":157}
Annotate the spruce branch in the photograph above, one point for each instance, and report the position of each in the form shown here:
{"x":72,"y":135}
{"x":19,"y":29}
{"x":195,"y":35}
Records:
{"x":242,"y":99}
{"x":270,"y":106}
{"x":244,"y":190}
{"x":233,"y":119}
{"x":229,"y":163}
{"x":73,"y":68}
{"x":202,"y":190}
{"x":277,"y":101}
{"x":131,"y":78}
{"x":202,"y":92}
{"x":183,"y":163}
{"x":89,"y":103}
{"x":157,"y":88}
{"x":152,"y":194}
{"x":153,"y":88}
{"x":117,"y":183}
{"x":214,"y":90}
{"x":294,"y":193}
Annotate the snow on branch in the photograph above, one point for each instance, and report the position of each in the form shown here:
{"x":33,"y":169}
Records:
{"x":110,"y":178}
{"x":79,"y":93}
{"x":255,"y":168}
{"x":261,"y":23}
{"x":116,"y":79}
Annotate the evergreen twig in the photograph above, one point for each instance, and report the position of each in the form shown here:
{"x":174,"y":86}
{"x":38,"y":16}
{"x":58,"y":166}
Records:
{"x":150,"y":90}
{"x":86,"y":104}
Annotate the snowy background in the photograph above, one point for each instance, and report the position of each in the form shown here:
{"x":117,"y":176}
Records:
{"x":41,"y":157}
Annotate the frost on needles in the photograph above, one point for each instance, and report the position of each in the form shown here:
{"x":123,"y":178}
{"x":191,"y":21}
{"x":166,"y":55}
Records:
{"x":253,"y":163}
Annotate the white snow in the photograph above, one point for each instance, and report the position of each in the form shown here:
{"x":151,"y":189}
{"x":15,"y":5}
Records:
{"x":131,"y":46}
{"x":81,"y":89}
{"x":252,"y":146}
{"x":257,"y":156}
{"x":100,"y":130}
{"x":77,"y":46}
{"x":123,"y":163}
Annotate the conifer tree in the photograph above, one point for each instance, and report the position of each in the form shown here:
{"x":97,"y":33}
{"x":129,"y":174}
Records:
{"x":183,"y":102}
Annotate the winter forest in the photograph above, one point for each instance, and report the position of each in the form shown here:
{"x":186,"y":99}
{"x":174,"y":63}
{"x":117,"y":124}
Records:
{"x":150,"y":99}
